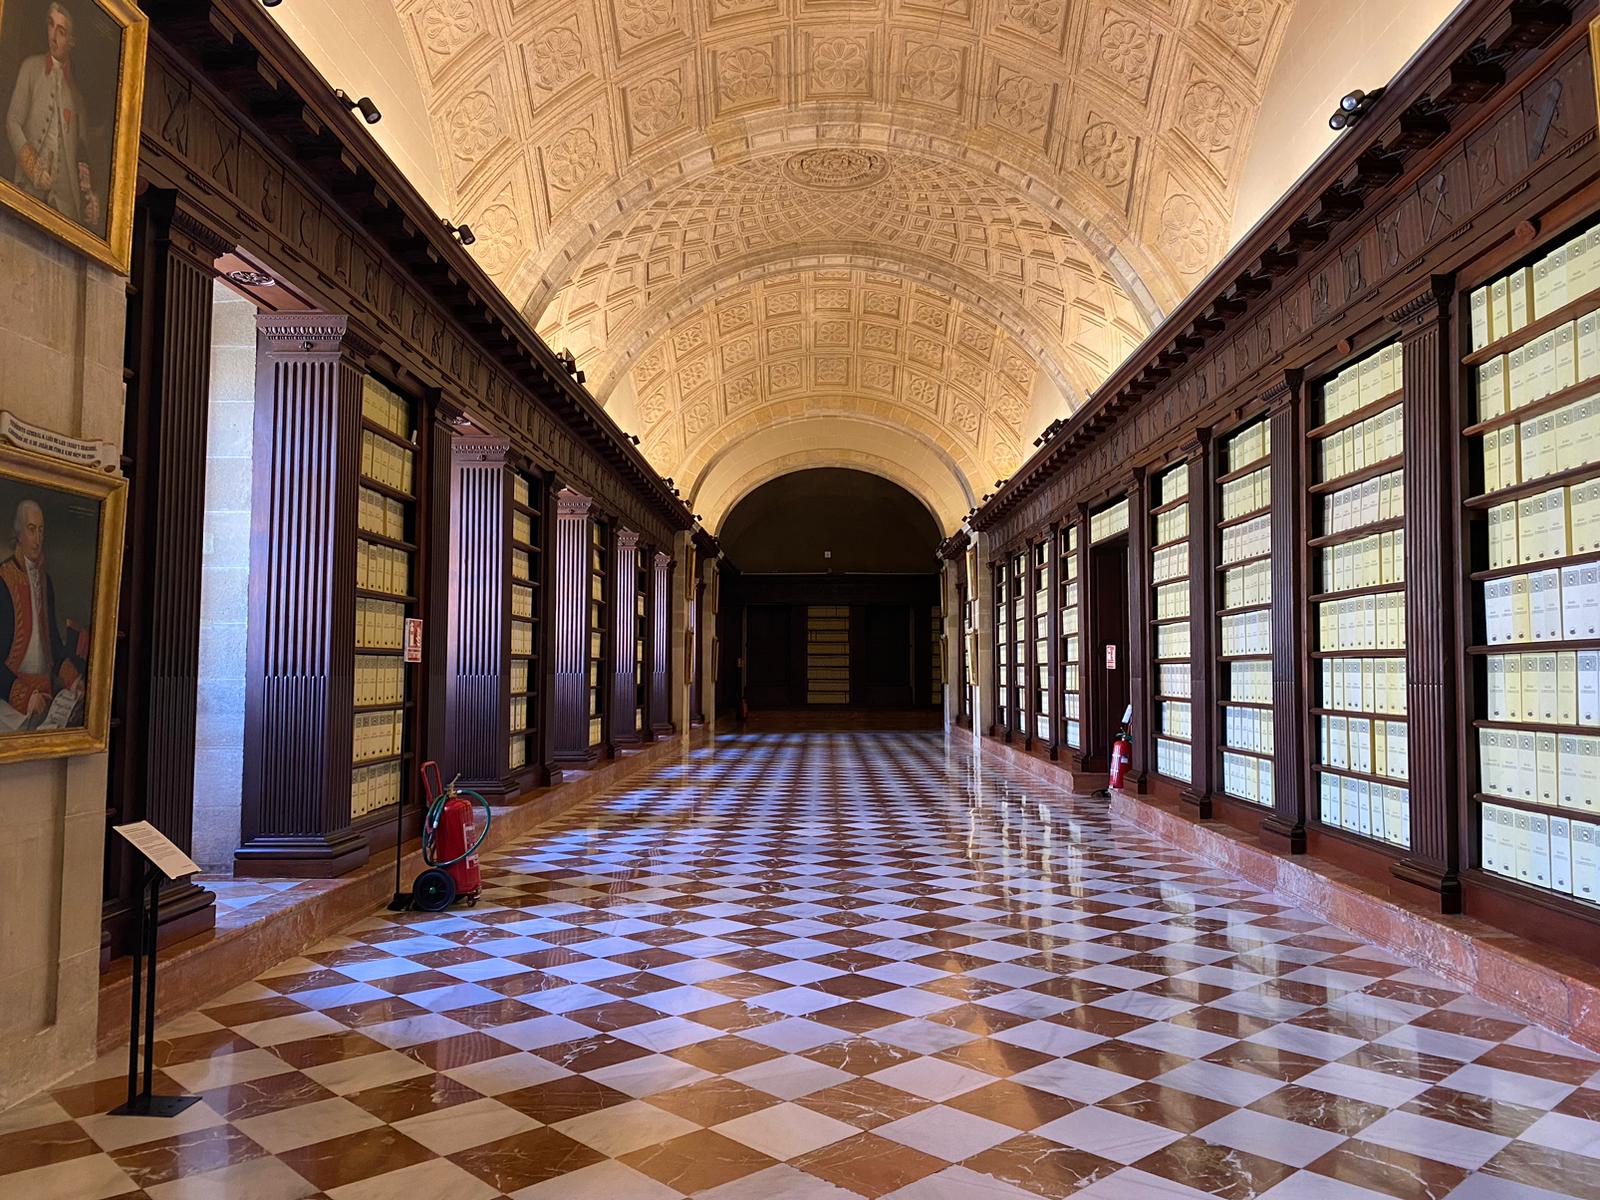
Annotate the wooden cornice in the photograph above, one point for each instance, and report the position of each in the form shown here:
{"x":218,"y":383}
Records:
{"x":240,"y":50}
{"x":1427,"y":106}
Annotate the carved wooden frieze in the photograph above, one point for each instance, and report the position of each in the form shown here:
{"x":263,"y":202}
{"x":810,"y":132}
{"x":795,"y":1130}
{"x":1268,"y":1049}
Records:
{"x":1376,"y":258}
{"x":245,"y":183}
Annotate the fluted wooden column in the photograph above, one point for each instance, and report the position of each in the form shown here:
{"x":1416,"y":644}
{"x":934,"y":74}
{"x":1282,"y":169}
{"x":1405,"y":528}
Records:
{"x":1027,"y":715}
{"x":299,"y":678}
{"x":624,"y":632}
{"x":476,"y":691}
{"x":1052,"y":577}
{"x":1139,"y":629}
{"x":569,"y":662}
{"x":1090,"y":755}
{"x":1286,"y":826}
{"x":1202,"y":625}
{"x":659,"y":651}
{"x":1432,"y":566}
{"x":151,"y":774}
{"x":991,"y":634}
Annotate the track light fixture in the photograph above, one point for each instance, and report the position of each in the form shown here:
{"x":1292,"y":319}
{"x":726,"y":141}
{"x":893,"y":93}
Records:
{"x":368,"y":110}
{"x":1353,"y":106}
{"x":462,"y":232}
{"x":570,"y":363}
{"x":634,"y":438}
{"x":270,"y":3}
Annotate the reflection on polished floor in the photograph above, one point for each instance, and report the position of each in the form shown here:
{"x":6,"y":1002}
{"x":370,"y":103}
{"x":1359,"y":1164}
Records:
{"x":808,"y":965}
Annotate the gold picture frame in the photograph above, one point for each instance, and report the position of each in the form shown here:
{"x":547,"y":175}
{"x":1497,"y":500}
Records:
{"x":96,"y":216}
{"x":77,"y":579}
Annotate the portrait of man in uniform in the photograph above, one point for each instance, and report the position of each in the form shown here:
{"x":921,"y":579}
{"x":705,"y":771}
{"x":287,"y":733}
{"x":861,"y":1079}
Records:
{"x":45,"y":124}
{"x":42,"y":671}
{"x":61,"y":522}
{"x":71,"y":81}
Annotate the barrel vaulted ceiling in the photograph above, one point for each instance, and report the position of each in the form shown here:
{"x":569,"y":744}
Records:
{"x":900,"y":234}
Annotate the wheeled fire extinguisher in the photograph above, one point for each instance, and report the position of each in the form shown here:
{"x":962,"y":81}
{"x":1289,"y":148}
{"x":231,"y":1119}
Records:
{"x":1122,"y":749}
{"x":450,"y":840}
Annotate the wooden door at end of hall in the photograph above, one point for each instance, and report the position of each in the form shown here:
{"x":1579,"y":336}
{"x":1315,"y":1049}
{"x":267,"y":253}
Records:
{"x":884,"y":678}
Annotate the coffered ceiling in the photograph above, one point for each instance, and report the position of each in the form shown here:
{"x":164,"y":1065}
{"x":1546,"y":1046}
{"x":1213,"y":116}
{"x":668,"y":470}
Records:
{"x":949,"y":218}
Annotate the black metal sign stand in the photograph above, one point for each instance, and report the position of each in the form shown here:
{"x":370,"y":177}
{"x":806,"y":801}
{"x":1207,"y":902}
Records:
{"x":140,"y":1102}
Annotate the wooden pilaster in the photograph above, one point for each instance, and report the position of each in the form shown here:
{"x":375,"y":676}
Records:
{"x":1052,"y":577}
{"x":1089,"y":756}
{"x":1286,"y":825}
{"x":299,"y":688}
{"x":659,"y":650}
{"x":151,"y":774}
{"x":1432,"y":566}
{"x":569,"y":662}
{"x":624,"y":681}
{"x":1139,"y":631}
{"x":1202,"y":624}
{"x":479,"y":615}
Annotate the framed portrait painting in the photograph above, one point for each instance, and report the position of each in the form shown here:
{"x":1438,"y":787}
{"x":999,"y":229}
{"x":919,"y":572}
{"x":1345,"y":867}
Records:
{"x":61,"y":530}
{"x":71,"y":86}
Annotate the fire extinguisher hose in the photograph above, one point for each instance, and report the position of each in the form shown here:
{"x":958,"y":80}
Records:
{"x":430,"y":823}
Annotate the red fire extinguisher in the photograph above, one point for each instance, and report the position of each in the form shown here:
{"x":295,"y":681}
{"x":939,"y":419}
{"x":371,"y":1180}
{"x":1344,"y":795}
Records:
{"x":450,"y":841}
{"x":1122,"y":749}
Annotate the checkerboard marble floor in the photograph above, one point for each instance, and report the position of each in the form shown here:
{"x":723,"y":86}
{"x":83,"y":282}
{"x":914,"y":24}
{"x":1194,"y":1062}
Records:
{"x":835,"y":965}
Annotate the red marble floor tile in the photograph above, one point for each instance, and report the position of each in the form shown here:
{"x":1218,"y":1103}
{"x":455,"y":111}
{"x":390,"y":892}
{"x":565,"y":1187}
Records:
{"x":698,"y":1161}
{"x":355,"y":1156}
{"x":1041,"y":1166}
{"x":869,"y":1165}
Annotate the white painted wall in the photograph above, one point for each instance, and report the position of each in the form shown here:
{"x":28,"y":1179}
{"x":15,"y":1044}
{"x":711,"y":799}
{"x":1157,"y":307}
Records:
{"x":358,"y":45}
{"x":1332,"y":47}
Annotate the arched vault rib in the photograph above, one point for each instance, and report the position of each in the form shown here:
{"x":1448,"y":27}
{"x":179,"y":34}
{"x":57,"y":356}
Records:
{"x":944,"y":507}
{"x":607,"y":360}
{"x":831,"y":439}
{"x":916,"y":184}
{"x":839,"y":339}
{"x":944,"y":219}
{"x":1129,"y":122}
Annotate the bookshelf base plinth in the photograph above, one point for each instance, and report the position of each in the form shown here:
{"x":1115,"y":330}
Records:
{"x":1442,"y":887}
{"x":1286,"y":837}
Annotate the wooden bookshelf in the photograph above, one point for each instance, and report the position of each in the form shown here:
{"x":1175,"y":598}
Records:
{"x":1070,"y":616}
{"x":1244,"y":614}
{"x":525,"y":565}
{"x":1002,"y":646}
{"x":385,"y":599}
{"x":1357,"y":619}
{"x":641,"y":641}
{"x":968,"y":595}
{"x":828,"y":654}
{"x":1040,"y":699}
{"x":1170,"y":632}
{"x":1017,"y":620}
{"x":599,"y":612}
{"x":1531,"y":522}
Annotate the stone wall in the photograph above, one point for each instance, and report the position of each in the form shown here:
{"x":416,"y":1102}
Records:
{"x":225,"y":583}
{"x":61,"y":335}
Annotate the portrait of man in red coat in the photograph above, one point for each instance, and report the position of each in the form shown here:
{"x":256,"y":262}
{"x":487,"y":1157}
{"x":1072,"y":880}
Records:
{"x":38,"y":666}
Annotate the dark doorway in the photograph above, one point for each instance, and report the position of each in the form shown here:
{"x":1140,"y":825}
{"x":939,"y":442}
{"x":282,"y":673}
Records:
{"x":886,"y":678}
{"x":769,"y":657}
{"x":1109,"y":685}
{"x":832,"y":604}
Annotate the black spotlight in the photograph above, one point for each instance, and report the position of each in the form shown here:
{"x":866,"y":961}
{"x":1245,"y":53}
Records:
{"x":270,"y":3}
{"x":634,"y":438}
{"x":368,"y":110}
{"x":1352,"y":107}
{"x":463,"y":232}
